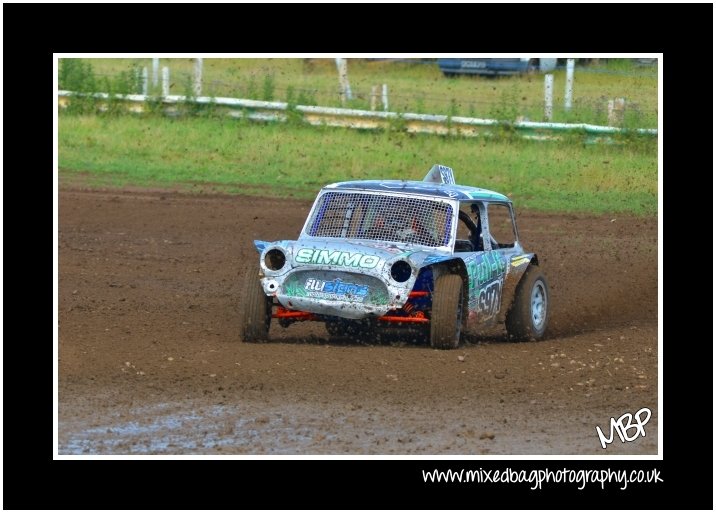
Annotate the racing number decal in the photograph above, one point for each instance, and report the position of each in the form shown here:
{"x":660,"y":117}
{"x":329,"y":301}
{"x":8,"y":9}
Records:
{"x":488,"y":300}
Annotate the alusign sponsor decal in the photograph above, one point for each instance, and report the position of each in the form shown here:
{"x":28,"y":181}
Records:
{"x":335,"y":289}
{"x":341,"y":258}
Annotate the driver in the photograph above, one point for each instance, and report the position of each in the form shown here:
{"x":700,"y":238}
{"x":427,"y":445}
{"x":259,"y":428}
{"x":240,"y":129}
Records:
{"x":402,"y":225}
{"x":477,"y":236}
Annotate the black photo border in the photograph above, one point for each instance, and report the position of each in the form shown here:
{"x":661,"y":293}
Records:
{"x":33,"y":480}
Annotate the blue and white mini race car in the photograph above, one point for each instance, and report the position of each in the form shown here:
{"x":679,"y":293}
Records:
{"x":432,"y":255}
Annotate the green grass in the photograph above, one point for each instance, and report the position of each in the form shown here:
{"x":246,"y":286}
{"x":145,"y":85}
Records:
{"x":237,"y":156}
{"x":416,"y":87}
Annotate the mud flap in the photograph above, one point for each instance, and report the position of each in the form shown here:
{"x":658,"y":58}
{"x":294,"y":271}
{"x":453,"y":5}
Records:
{"x":516,"y":268}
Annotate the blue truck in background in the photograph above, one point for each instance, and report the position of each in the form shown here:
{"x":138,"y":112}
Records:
{"x":494,"y":67}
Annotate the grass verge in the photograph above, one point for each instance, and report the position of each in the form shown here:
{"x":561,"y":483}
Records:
{"x":234,"y":156}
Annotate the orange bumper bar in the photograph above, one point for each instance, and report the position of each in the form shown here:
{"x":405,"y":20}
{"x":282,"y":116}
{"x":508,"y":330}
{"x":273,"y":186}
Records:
{"x":296,"y":315}
{"x":283,"y":313}
{"x":397,"y":318}
{"x":418,"y":317}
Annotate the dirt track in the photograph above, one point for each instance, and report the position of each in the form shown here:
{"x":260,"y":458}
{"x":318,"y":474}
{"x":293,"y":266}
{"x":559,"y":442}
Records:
{"x":151,"y":360}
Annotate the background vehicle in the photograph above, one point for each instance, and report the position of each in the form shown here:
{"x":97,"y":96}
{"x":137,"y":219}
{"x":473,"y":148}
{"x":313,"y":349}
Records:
{"x":488,"y":66}
{"x":433,"y":255}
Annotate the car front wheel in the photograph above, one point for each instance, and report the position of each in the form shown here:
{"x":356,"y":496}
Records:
{"x":257,"y":311}
{"x":447,"y":309}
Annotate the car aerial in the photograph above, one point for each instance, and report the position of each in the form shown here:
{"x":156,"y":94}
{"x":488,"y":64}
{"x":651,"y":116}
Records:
{"x":494,"y":67}
{"x":431,"y":256}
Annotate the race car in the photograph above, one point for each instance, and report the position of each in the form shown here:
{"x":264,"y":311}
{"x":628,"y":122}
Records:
{"x":432,"y":256}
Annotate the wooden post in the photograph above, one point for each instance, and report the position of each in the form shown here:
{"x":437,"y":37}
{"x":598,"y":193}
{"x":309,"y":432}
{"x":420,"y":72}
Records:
{"x":145,"y":81}
{"x":198,"y":69}
{"x":569,"y":84}
{"x":618,"y":111}
{"x":345,"y":92}
{"x":548,"y":82}
{"x":165,"y":81}
{"x":615,"y":112}
{"x":385,"y":97}
{"x":373,"y":97}
{"x":611,"y":121}
{"x":155,"y":72}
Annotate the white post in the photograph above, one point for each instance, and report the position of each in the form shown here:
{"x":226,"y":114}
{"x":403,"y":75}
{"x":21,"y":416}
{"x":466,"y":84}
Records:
{"x":155,"y":72}
{"x":165,"y":81}
{"x":198,"y":65}
{"x":548,"y":82}
{"x":342,"y":65}
{"x":385,"y":96}
{"x":373,"y":97}
{"x":568,"y":86}
{"x":611,"y":119}
{"x":341,"y":84}
{"x":145,"y":81}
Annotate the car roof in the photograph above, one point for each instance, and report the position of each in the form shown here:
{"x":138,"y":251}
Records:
{"x":440,"y":190}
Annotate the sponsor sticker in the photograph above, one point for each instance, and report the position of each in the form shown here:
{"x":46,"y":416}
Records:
{"x":340,"y":258}
{"x":519,"y":260}
{"x":336,"y":289}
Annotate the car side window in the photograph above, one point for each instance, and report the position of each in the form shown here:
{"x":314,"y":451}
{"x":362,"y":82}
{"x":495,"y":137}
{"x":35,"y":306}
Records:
{"x":469,"y":236}
{"x":502,"y":226}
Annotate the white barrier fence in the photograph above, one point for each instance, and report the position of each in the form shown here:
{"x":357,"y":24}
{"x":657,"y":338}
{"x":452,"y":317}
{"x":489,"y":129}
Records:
{"x":351,"y":118}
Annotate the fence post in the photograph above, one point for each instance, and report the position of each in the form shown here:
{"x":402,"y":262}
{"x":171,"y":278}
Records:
{"x":610,"y":113}
{"x":620,"y":107}
{"x":145,"y":81}
{"x":165,"y":81}
{"x":198,"y":68}
{"x":345,"y":94}
{"x":373,"y":97}
{"x":569,"y":85}
{"x":548,"y":82}
{"x":385,"y":97}
{"x":615,"y":111}
{"x":155,"y":72}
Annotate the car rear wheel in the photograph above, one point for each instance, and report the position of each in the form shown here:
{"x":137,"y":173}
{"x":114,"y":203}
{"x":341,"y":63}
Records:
{"x":528,"y":316}
{"x":447,"y":309}
{"x":257,"y":311}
